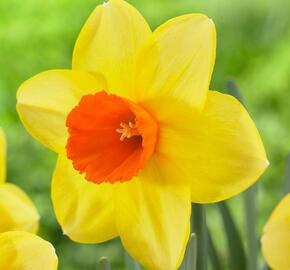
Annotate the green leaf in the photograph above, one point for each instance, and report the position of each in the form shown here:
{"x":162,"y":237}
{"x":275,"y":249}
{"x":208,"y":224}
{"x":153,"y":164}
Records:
{"x":266,"y":267}
{"x":104,"y":264}
{"x":233,"y":89}
{"x":199,"y":228}
{"x":131,"y":264}
{"x":213,"y":255}
{"x":191,"y":253}
{"x":236,"y":250}
{"x":250,"y":201}
{"x":250,"y":206}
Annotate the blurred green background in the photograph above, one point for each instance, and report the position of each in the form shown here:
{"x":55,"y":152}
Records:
{"x":253,"y":48}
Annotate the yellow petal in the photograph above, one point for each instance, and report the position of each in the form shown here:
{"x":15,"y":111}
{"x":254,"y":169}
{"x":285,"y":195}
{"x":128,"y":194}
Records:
{"x":220,"y":149}
{"x":178,"y":60}
{"x":84,"y":210}
{"x":2,"y":156}
{"x":17,"y":211}
{"x":44,"y":101}
{"x":26,"y":251}
{"x":153,"y":213}
{"x":108,"y":44}
{"x":276,"y":237}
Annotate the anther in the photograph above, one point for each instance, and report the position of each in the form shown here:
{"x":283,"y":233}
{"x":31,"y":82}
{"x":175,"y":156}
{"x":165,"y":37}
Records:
{"x":127,"y":131}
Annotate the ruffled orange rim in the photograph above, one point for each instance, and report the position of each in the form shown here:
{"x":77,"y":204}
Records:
{"x":110,"y":138}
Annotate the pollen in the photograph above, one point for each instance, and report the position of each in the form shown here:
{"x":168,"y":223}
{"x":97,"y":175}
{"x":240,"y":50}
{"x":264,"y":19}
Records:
{"x":127,"y":131}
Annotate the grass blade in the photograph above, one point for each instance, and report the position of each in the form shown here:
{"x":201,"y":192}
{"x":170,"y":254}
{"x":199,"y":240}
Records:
{"x":250,"y":201}
{"x":236,"y":250}
{"x":266,"y":267}
{"x":250,"y":206}
{"x":131,"y":264}
{"x":212,"y":252}
{"x":199,"y":228}
{"x":233,"y":89}
{"x":191,"y":253}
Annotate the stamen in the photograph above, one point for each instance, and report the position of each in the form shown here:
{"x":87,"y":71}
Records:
{"x":127,"y":131}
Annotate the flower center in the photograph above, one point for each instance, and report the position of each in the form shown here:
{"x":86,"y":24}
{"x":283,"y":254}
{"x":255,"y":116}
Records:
{"x":127,"y":131}
{"x":110,"y":139}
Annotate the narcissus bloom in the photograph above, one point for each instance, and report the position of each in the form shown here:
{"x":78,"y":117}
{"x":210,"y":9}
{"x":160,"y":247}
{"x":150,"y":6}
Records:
{"x":276,"y":237}
{"x":135,"y":118}
{"x":17,"y":212}
{"x":26,"y":251}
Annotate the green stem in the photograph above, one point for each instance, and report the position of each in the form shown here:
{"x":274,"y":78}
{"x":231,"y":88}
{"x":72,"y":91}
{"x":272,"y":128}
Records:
{"x":250,"y":202}
{"x":213,"y":254}
{"x":250,"y":206}
{"x":235,"y":246}
{"x":265,"y":267}
{"x":199,"y":228}
{"x":191,"y":253}
{"x":104,"y":264}
{"x":131,"y":264}
{"x":233,"y":89}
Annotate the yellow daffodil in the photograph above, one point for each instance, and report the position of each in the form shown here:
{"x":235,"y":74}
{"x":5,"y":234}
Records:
{"x":276,"y":237}
{"x":135,"y":118}
{"x":17,"y":212}
{"x":26,"y":251}
{"x":20,"y":249}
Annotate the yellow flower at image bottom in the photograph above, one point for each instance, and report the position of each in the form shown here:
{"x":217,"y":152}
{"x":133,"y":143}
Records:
{"x":17,"y":211}
{"x":276,"y":237}
{"x":26,"y":251}
{"x":139,"y":134}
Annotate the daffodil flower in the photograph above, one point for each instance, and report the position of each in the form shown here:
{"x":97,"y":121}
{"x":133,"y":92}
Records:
{"x":26,"y":251}
{"x":17,"y":212}
{"x":20,"y":248}
{"x":135,"y":118}
{"x":276,"y":237}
